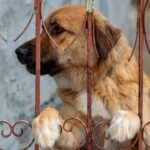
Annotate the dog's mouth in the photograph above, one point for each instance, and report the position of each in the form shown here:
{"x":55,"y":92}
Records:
{"x":31,"y":68}
{"x":51,"y":67}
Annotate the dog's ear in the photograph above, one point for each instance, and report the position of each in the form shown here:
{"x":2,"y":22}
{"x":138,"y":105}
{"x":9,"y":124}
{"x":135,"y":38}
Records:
{"x":106,"y":35}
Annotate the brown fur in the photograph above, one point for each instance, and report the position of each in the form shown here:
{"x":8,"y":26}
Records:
{"x":115,"y":79}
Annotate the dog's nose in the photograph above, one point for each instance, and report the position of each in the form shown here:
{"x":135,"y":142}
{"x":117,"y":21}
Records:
{"x":21,"y":53}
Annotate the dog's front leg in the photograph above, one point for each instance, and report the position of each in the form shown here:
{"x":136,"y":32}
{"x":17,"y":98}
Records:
{"x":48,"y":131}
{"x":124,"y":126}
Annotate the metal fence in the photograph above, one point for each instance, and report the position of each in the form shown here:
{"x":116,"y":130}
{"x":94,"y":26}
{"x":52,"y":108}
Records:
{"x":141,"y":39}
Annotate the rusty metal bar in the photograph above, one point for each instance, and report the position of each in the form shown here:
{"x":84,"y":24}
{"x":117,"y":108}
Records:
{"x":89,"y":81}
{"x":38,"y":58}
{"x":141,"y":46}
{"x":38,"y":53}
{"x":90,"y":48}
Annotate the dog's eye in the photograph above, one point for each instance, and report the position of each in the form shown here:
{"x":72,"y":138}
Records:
{"x":57,"y":30}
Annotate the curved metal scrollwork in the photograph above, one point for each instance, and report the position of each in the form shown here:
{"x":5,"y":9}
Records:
{"x":25,"y":28}
{"x":12,"y":131}
{"x":22,"y":32}
{"x":70,"y":128}
{"x":94,"y":129}
{"x":2,"y":37}
{"x":144,"y":26}
{"x":99,"y":125}
{"x":147,"y":143}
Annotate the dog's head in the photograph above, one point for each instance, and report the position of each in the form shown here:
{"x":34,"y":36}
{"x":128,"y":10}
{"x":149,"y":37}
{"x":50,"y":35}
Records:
{"x":64,"y":25}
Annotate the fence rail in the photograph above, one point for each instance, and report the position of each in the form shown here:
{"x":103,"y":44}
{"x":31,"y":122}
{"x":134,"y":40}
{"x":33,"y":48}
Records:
{"x":141,"y":38}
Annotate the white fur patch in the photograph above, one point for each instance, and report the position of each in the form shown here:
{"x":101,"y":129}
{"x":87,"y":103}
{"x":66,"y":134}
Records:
{"x":124,"y":126}
{"x":98,"y":108}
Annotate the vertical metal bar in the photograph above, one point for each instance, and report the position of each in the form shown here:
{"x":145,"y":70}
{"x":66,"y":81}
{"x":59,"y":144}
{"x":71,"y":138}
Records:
{"x":141,"y":46}
{"x":38,"y":56}
{"x":89,"y":80}
{"x":90,"y":4}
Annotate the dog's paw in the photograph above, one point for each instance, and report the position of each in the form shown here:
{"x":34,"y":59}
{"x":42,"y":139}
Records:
{"x":46,"y":128}
{"x":124,"y":126}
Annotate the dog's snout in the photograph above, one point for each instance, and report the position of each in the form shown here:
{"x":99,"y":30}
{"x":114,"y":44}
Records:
{"x":21,"y":52}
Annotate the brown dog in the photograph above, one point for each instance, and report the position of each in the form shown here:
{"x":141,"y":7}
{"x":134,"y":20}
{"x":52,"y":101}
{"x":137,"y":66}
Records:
{"x":115,"y":81}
